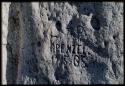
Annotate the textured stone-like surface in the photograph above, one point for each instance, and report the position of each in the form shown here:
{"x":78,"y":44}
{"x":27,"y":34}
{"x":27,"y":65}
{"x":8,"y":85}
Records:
{"x":5,"y":14}
{"x":65,"y":43}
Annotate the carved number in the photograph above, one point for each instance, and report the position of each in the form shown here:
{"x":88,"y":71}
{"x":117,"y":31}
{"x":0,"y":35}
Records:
{"x":76,"y":60}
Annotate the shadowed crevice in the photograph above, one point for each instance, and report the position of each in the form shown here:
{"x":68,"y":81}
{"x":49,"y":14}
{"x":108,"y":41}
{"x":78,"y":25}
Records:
{"x":12,"y":45}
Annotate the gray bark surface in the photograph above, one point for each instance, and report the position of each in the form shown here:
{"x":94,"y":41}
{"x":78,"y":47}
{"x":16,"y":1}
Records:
{"x":64,"y":43}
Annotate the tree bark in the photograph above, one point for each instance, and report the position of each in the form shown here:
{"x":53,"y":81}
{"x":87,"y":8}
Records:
{"x":64,"y":43}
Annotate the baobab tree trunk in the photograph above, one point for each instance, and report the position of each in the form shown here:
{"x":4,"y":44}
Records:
{"x":63,"y":43}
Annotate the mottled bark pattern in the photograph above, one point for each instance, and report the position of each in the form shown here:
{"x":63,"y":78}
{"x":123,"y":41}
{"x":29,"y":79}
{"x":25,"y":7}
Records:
{"x":65,"y":43}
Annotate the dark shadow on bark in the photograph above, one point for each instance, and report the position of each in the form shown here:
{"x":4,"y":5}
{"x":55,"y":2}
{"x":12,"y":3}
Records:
{"x":84,"y":7}
{"x":12,"y":41}
{"x":97,"y":71}
{"x":13,"y":45}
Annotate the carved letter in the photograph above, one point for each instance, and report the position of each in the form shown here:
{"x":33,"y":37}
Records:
{"x":78,"y":49}
{"x":68,"y":49}
{"x":74,"y":52}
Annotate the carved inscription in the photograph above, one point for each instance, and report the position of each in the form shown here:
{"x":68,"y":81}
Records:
{"x":75,"y":48}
